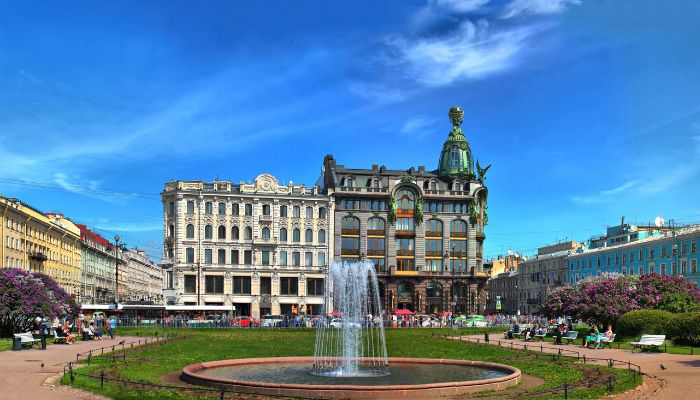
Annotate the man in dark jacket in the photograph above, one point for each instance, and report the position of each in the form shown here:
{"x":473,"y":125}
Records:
{"x":43,"y":331}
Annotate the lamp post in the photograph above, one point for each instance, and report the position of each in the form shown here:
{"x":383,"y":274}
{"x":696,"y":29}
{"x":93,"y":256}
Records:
{"x":117,"y":241}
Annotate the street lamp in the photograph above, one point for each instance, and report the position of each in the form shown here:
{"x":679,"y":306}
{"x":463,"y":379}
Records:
{"x":117,"y":240}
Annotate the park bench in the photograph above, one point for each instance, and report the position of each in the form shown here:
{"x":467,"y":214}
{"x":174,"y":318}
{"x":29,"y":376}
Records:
{"x":604,"y":343}
{"x":58,"y":339}
{"x":648,"y":342}
{"x":571,"y":337}
{"x":27,"y":339}
{"x":540,"y":336}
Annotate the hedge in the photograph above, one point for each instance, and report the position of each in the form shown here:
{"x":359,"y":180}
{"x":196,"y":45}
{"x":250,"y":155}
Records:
{"x":638,"y":322}
{"x":685,"y":329}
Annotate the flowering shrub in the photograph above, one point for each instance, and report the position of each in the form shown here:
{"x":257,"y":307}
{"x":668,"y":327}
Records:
{"x":639,"y":322}
{"x":25,"y":295}
{"x":606,"y":297}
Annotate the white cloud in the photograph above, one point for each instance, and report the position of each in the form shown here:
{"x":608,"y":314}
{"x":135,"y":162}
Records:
{"x":472,"y":51}
{"x":415,"y":127}
{"x":458,"y":6}
{"x":536,"y":7}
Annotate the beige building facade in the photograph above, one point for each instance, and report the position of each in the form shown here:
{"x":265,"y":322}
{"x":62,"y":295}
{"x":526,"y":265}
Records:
{"x":143,"y":279}
{"x":34,"y":241}
{"x":261,"y":248}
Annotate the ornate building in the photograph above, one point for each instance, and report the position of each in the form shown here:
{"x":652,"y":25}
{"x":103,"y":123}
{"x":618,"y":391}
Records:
{"x":47,"y":243}
{"x":423,"y":230}
{"x":144,"y":279}
{"x":261,"y":247}
{"x":97,"y":268}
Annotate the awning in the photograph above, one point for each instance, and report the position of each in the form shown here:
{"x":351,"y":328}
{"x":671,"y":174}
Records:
{"x":403,"y":312}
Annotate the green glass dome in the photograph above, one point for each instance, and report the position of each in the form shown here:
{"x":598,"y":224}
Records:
{"x":456,"y":158}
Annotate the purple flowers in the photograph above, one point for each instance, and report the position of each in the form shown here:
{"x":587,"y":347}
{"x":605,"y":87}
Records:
{"x":25,"y":295}
{"x":606,"y":297}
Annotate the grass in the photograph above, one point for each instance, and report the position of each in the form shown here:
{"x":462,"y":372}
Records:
{"x":193,"y":346}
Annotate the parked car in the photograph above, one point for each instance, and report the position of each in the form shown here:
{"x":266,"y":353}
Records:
{"x":243,"y":321}
{"x":272,"y":321}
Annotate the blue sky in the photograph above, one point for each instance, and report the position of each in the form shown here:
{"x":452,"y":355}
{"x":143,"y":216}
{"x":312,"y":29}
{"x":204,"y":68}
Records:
{"x":588,"y":110}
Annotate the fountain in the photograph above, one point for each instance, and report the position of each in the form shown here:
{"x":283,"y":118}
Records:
{"x":350,"y":359}
{"x":355,"y":345}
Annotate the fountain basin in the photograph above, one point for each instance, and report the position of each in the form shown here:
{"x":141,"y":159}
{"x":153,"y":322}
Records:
{"x":224,"y":373}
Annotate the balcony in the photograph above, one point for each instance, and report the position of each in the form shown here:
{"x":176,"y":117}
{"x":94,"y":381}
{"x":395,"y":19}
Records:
{"x":376,"y":232}
{"x":375,"y":252}
{"x":395,"y":272}
{"x":39,"y":256}
{"x":265,"y":241}
{"x":404,"y":252}
{"x":266,"y":218}
{"x":350,"y":189}
{"x":349,"y":252}
{"x":401,"y":232}
{"x":458,"y":254}
{"x":350,"y":232}
{"x":433,"y":254}
{"x":458,"y":234}
{"x":436,"y":234}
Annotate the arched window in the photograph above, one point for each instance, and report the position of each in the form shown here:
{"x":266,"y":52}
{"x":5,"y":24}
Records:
{"x":433,"y":185}
{"x":457,"y":187}
{"x":433,"y":228}
{"x":375,"y":183}
{"x":190,"y":207}
{"x":458,"y":226}
{"x":248,"y":209}
{"x":375,"y":226}
{"x":248,"y":233}
{"x":171,"y":230}
{"x":455,"y":157}
{"x":349,"y":182}
{"x":322,"y":212}
{"x":266,"y":233}
{"x":208,"y":232}
{"x":296,"y":235}
{"x":309,"y":236}
{"x":189,"y":232}
{"x":222,"y":232}
{"x":434,"y":289}
{"x":350,"y":226}
{"x":405,"y":201}
{"x":222,"y":208}
{"x":283,"y":234}
{"x":309,"y":212}
{"x":321,"y":236}
{"x":234,"y":233}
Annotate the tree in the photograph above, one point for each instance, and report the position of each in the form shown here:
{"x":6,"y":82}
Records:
{"x":25,"y":295}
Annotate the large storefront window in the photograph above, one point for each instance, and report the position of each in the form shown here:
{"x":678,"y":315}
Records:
{"x":241,"y":285}
{"x":214,"y":284}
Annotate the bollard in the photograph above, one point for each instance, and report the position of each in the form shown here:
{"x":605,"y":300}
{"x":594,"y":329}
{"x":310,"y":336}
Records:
{"x":610,"y":363}
{"x":486,"y":337}
{"x":610,"y":384}
{"x":102,"y":380}
{"x":222,"y":394}
{"x":584,"y":358}
{"x":541,"y":348}
{"x":566,"y":390}
{"x":629,"y":365}
{"x":72,"y":377}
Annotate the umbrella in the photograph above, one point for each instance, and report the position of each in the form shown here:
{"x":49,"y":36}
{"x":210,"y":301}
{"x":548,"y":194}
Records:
{"x":98,"y":312}
{"x":444,"y":313}
{"x":404,"y":312}
{"x":334,"y":314}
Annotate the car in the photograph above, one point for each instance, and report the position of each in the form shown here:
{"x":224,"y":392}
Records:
{"x":243,"y":321}
{"x":431,"y":323}
{"x":272,"y":321}
{"x":472,"y":321}
{"x":340,"y":323}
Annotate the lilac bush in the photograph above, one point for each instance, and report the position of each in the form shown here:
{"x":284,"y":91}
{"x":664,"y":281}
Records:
{"x":25,"y":295}
{"x":606,"y":297}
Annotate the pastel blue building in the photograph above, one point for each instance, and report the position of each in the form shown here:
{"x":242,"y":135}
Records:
{"x":632,"y":250}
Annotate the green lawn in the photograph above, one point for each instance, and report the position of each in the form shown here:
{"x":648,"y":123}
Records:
{"x":193,"y":346}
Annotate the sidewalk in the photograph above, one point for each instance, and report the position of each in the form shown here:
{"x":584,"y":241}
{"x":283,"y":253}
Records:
{"x":682,"y":373}
{"x":23,"y":376}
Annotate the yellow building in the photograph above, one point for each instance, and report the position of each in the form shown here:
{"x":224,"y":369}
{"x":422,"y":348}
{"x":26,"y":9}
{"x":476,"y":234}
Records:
{"x":34,"y":241}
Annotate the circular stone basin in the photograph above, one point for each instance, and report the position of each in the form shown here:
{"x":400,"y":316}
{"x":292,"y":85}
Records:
{"x":417,"y":378}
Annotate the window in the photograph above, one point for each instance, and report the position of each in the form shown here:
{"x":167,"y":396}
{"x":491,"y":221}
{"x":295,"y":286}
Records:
{"x":208,"y":208}
{"x":222,"y":208}
{"x":248,"y":233}
{"x":171,"y":208}
{"x":375,"y":226}
{"x":405,"y":264}
{"x":208,"y":232}
{"x":455,"y":158}
{"x":207,"y":256}
{"x":663,"y":251}
{"x":322,"y":212}
{"x":171,"y":230}
{"x":235,"y":209}
{"x":405,"y":247}
{"x":283,"y":258}
{"x":266,"y":233}
{"x":433,"y":228}
{"x":241,"y":285}
{"x":234,"y":257}
{"x":265,"y":285}
{"x":190,"y":283}
{"x":375,"y":246}
{"x":405,"y":201}
{"x":296,"y":212}
{"x":283,"y":211}
{"x":456,"y":187}
{"x":189,"y":231}
{"x":405,"y":225}
{"x":283,"y":234}
{"x":321,"y":258}
{"x":308,"y":259}
{"x":190,"y":207}
{"x":314,"y":287}
{"x":234,"y":233}
{"x":189,"y":255}
{"x":321,"y":236}
{"x":296,"y":259}
{"x":350,"y":245}
{"x":214,"y":284}
{"x":296,"y":235}
{"x":433,"y":265}
{"x":693,"y":266}
{"x":458,"y":228}
{"x":350,"y":226}
{"x":248,"y":257}
{"x":433,"y":247}
{"x":266,"y":209}
{"x":663,"y":269}
{"x":308,"y":236}
{"x":693,"y":247}
{"x":379,"y":264}
{"x":221,"y":256}
{"x":289,"y":286}
{"x":265,"y":257}
{"x":349,"y":182}
{"x":222,"y":232}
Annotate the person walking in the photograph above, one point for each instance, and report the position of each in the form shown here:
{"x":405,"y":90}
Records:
{"x":43,"y":331}
{"x":112,"y":326}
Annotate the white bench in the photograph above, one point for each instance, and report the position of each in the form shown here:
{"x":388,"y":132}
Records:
{"x":27,"y":339}
{"x":606,"y":342}
{"x":540,"y":336}
{"x":571,"y":337}
{"x":58,"y":339}
{"x":648,"y":342}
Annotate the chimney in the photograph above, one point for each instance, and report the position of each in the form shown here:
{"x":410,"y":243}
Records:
{"x":375,"y":167}
{"x":623,"y":221}
{"x":421,"y":168}
{"x":382,"y":169}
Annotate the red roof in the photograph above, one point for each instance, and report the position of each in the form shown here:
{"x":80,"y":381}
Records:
{"x":86,"y":234}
